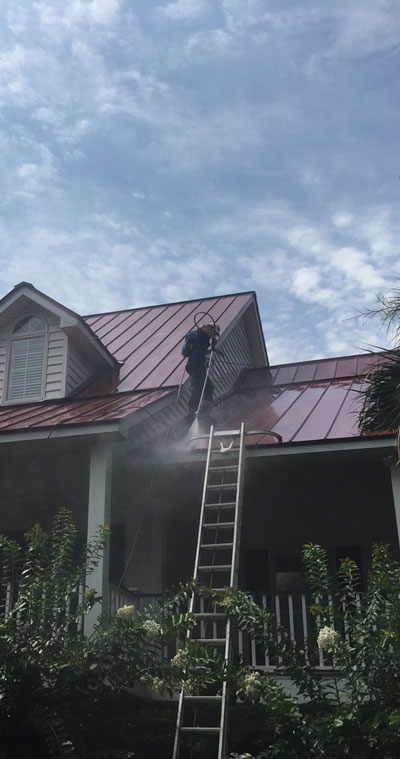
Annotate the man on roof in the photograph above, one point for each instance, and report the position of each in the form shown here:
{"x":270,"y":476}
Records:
{"x":198,"y":346}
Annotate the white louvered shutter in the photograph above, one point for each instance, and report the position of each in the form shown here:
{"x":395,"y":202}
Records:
{"x":26,"y":368}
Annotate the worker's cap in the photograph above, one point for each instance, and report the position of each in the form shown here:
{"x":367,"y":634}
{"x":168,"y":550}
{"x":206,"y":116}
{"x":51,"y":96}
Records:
{"x":211,"y":326}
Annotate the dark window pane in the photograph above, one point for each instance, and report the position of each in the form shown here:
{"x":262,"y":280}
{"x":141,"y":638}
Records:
{"x":117,"y":553}
{"x":257,"y":571}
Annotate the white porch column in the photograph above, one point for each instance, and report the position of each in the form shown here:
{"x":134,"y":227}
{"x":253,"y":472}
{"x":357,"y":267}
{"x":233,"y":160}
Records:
{"x":99,"y":512}
{"x":395,"y":475}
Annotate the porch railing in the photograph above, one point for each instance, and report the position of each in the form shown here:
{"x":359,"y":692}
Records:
{"x":291,"y":611}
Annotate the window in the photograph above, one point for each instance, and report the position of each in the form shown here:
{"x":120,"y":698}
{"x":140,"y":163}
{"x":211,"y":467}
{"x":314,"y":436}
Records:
{"x":288,"y":575}
{"x":26,"y":359}
{"x":257,"y":571}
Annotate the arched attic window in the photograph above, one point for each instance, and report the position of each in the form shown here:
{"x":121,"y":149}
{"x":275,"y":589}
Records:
{"x":26,"y":359}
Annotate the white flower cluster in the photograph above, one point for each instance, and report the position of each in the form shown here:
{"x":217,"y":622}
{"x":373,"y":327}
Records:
{"x":180,"y":660}
{"x":189,"y":685}
{"x":327,"y":639}
{"x":251,"y":684}
{"x":125,"y":611}
{"x":153,"y":683}
{"x":152,"y":629}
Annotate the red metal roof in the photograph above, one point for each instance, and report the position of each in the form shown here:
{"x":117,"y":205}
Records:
{"x":77,"y":411}
{"x":148,"y":340}
{"x":303,"y":402}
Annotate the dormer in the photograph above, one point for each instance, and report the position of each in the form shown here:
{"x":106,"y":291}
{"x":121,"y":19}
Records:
{"x":46,"y":350}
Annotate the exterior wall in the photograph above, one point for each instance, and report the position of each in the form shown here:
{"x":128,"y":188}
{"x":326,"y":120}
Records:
{"x":65,"y":368}
{"x":237,"y":356}
{"x":39,"y":478}
{"x":54,"y":378}
{"x":335,"y":504}
{"x":77,"y":370}
{"x":3,"y":358}
{"x":56,"y":358}
{"x":139,"y":505}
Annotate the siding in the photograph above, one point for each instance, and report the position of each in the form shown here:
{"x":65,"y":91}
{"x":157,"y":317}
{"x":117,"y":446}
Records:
{"x":237,"y":356}
{"x":3,"y":356}
{"x":77,"y":371}
{"x":56,"y":357}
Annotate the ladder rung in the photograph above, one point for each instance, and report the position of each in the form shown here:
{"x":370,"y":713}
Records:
{"x":219,"y":525}
{"x":212,"y":615}
{"x":228,"y":468}
{"x":210,"y":641}
{"x":215,"y":568}
{"x":223,"y":486}
{"x":204,"y":730}
{"x":203,"y":698}
{"x":226,"y":505}
{"x":227,"y":433}
{"x":220,"y":546}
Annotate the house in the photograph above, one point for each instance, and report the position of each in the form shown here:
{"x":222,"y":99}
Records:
{"x":92,"y":413}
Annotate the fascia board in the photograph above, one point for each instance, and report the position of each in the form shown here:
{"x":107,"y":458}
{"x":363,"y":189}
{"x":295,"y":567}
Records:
{"x":68,"y":321}
{"x":90,"y":338}
{"x":260,"y":329}
{"x":251,"y":302}
{"x":271,"y":452}
{"x":40,"y":300}
{"x":103,"y":431}
{"x":337,"y":446}
{"x":139,"y":414}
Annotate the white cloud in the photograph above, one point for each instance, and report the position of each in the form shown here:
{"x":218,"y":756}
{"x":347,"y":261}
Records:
{"x":184,"y":10}
{"x":209,"y":146}
{"x":241,"y":16}
{"x":75,"y":12}
{"x":342,"y":219}
{"x":284,"y":348}
{"x":306,"y":285}
{"x":367,"y":28}
{"x":353,"y":263}
{"x":304,"y":280}
{"x":17,"y":19}
{"x":208,"y":42}
{"x":32,"y":178}
{"x":309,"y":239}
{"x":309,"y":176}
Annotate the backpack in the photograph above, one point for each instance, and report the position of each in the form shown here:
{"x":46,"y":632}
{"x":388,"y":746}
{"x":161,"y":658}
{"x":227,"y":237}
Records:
{"x":188,"y":344}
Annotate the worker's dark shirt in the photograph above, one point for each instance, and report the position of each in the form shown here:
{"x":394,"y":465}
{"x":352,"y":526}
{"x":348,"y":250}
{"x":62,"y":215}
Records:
{"x":201,"y":344}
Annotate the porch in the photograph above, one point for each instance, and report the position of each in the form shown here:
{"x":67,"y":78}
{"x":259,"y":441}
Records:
{"x":292,"y":611}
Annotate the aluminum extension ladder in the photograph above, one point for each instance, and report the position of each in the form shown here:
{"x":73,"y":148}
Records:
{"x":216,"y":566}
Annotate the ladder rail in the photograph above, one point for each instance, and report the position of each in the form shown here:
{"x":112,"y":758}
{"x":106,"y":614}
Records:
{"x":203,"y":503}
{"x":213,"y":569}
{"x":179,"y":717}
{"x":233,"y":581}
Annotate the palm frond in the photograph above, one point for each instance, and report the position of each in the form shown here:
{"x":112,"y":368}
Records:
{"x":388,"y":311}
{"x":380,"y":409}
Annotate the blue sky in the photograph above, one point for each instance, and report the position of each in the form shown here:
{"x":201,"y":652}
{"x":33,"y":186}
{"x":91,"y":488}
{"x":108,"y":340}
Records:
{"x":159,"y":151}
